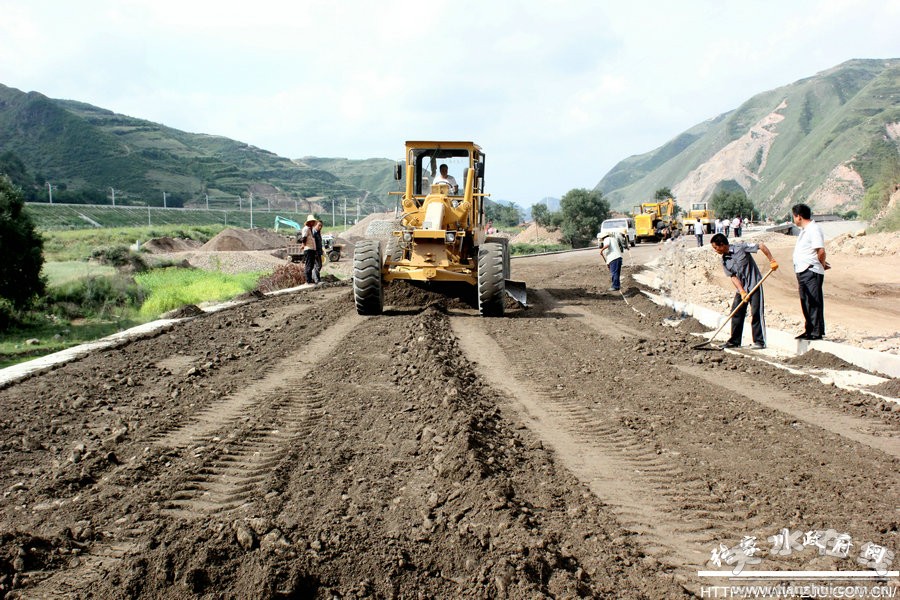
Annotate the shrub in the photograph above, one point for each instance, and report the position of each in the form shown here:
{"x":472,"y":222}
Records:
{"x":94,"y":295}
{"x":284,"y":276}
{"x":21,"y":248}
{"x":8,"y":314}
{"x":121,"y":257}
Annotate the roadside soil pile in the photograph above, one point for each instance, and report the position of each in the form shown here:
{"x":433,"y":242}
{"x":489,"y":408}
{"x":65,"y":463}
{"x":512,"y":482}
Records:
{"x":245,"y":239}
{"x":535,"y":234}
{"x":162,"y":245}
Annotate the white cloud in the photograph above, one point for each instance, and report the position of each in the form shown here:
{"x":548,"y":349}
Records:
{"x":557,"y":93}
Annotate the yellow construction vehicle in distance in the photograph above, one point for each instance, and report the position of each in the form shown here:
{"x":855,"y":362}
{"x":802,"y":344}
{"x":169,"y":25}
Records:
{"x":656,"y":221}
{"x":699,"y":210}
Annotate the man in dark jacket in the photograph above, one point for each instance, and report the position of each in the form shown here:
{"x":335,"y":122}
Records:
{"x":741,"y":268}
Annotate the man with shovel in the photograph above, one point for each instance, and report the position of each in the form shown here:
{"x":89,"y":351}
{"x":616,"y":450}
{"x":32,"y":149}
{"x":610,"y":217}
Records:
{"x":741,"y":268}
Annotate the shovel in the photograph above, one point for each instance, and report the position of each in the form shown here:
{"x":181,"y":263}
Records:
{"x":736,"y":308}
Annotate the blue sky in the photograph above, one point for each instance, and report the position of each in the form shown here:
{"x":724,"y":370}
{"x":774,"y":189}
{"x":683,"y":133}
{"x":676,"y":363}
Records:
{"x":556,"y":93}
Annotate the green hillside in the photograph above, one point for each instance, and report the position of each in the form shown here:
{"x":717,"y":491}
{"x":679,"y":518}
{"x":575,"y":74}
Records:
{"x":839,"y":117}
{"x":81,"y":148}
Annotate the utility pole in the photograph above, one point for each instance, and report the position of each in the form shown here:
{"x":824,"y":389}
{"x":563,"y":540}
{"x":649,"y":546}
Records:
{"x":333,"y":217}
{"x":113,"y":190}
{"x":50,"y":191}
{"x":251,"y":210}
{"x":207,"y":202}
{"x":240,"y":203}
{"x":268,"y":205}
{"x":164,"y":200}
{"x":149,"y":224}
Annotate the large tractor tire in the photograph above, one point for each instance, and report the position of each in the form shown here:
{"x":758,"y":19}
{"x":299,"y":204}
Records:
{"x":505,"y":243}
{"x":491,"y":285}
{"x":368,"y":288}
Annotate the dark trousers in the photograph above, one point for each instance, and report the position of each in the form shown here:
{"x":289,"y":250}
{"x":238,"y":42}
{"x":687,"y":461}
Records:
{"x":700,"y":238}
{"x":812,"y":301}
{"x":615,"y":272}
{"x":757,"y":322}
{"x":309,"y":264}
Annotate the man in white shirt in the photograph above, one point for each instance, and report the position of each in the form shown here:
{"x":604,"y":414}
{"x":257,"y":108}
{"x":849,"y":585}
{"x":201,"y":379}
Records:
{"x":611,"y":251}
{"x":698,"y":231}
{"x":736,"y":226}
{"x":810,"y":266}
{"x":443,"y":177}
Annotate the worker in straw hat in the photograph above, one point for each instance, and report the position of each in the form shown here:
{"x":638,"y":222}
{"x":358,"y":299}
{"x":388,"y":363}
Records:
{"x":307,"y":239}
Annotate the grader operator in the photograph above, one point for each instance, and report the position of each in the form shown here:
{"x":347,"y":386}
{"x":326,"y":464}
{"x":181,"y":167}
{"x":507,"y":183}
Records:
{"x":440,"y":236}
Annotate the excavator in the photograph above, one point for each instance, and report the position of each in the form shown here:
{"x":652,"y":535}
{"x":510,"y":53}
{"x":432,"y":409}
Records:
{"x":440,"y":237}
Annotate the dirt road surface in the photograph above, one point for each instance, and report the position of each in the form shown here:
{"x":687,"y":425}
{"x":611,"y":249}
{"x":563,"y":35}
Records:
{"x":291,"y":448}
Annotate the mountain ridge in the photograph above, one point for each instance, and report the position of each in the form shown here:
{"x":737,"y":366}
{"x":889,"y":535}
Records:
{"x":814,"y":140}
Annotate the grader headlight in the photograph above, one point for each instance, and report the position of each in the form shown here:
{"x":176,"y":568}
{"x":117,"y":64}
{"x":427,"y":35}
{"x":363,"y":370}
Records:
{"x":450,"y":237}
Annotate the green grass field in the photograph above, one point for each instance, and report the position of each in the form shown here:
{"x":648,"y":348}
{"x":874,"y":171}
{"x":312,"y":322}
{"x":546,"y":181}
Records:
{"x":173,"y":287}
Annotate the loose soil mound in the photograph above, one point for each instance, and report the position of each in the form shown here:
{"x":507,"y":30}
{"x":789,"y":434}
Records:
{"x":167,"y":244}
{"x":877,"y":244}
{"x":821,"y":360}
{"x":190,"y":310}
{"x":890,"y":388}
{"x":535,"y":234}
{"x":245,"y":239}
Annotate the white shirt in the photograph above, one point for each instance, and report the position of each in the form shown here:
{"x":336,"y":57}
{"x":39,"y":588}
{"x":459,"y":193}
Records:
{"x":698,"y":227}
{"x":736,"y":223}
{"x":613,"y":249}
{"x":805,"y":255}
{"x":449,"y":180}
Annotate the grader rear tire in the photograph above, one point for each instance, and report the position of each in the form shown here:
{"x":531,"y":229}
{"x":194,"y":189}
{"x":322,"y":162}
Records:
{"x":368,"y":289}
{"x":491,"y":285}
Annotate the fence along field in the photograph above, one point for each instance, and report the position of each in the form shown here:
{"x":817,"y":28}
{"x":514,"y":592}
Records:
{"x":57,"y":217}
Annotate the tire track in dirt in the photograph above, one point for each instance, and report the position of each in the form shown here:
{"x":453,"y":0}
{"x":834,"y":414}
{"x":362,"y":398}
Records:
{"x":226,"y":481}
{"x":618,"y":468}
{"x":598,"y":322}
{"x":282,"y":376}
{"x":231,"y":478}
{"x":873,"y":434}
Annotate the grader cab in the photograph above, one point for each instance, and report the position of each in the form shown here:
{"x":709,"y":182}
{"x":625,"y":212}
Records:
{"x":439,"y":237}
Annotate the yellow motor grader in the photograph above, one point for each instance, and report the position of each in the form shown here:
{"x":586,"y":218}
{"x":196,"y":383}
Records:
{"x":439,"y":237}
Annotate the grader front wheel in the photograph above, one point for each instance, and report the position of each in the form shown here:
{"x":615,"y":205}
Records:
{"x":368,"y":290}
{"x":491,"y":286}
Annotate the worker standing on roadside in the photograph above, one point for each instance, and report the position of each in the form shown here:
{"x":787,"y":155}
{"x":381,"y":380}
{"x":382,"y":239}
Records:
{"x":308,"y":241}
{"x":810,"y":266}
{"x":611,"y":251}
{"x":741,"y":268}
{"x":320,"y":253}
{"x":698,"y":231}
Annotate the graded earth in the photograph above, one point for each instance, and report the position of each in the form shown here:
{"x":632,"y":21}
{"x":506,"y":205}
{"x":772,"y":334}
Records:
{"x":288,"y":447}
